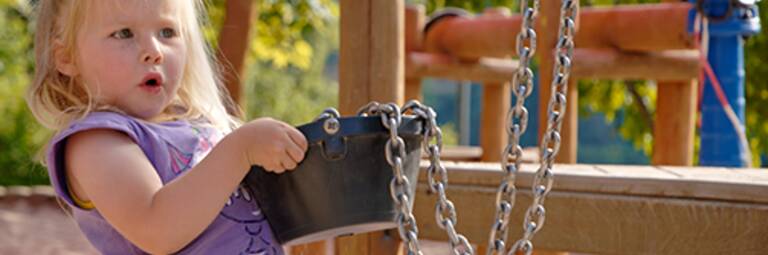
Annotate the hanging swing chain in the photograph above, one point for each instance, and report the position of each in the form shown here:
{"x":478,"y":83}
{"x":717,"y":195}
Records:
{"x":517,"y":123}
{"x":550,"y":142}
{"x":399,"y":187}
{"x":445,"y":211}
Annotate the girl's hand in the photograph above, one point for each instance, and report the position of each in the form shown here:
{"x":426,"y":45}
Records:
{"x":272,"y":144}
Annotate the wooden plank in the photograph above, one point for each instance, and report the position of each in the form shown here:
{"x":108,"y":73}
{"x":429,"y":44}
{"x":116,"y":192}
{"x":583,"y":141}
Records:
{"x":614,"y":64}
{"x":386,"y":81}
{"x":473,"y":153}
{"x":324,"y":247}
{"x":683,"y":182}
{"x":233,"y":44}
{"x":588,"y":63}
{"x":469,"y":38}
{"x":387,"y":63}
{"x":385,"y":243}
{"x":638,"y":27}
{"x":354,"y":55}
{"x":493,"y":135}
{"x":371,"y":69}
{"x":415,"y":15}
{"x":674,"y":126}
{"x":612,"y":224}
{"x":752,"y":173}
{"x":641,"y":27}
{"x":352,"y":245}
{"x":547,"y":27}
{"x":413,"y":90}
{"x":495,"y":70}
{"x":414,"y":24}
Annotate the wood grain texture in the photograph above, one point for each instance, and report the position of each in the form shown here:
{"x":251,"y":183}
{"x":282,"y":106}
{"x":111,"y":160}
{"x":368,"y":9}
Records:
{"x":607,"y":209}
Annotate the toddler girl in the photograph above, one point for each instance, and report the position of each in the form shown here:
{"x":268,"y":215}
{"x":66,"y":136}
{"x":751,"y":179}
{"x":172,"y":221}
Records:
{"x":145,"y":152}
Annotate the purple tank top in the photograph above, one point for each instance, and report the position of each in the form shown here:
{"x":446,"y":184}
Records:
{"x":172,"y":148}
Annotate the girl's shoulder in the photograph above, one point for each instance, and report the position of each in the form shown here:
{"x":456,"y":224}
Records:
{"x":135,"y":128}
{"x":100,"y":120}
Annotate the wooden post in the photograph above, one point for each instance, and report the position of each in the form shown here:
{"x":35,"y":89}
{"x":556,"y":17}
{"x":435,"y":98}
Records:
{"x":547,"y":28}
{"x":497,"y":98}
{"x":496,"y":104}
{"x":370,"y":69}
{"x":549,"y":20}
{"x":414,"y":24}
{"x":233,"y":44}
{"x":674,"y":128}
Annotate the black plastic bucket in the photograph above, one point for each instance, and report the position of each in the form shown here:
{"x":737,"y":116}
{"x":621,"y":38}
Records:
{"x":342,"y":186}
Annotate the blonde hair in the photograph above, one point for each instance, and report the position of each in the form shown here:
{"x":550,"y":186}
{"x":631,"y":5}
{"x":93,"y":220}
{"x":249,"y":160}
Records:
{"x":56,"y":99}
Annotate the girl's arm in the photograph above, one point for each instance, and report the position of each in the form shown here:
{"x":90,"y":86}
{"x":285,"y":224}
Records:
{"x":109,"y":169}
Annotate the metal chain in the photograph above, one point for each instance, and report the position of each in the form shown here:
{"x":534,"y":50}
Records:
{"x":399,"y":187}
{"x":517,"y":123}
{"x":445,"y":212}
{"x":550,"y":143}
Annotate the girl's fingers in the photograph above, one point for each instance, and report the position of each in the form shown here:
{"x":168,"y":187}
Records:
{"x":287,"y":163}
{"x":295,"y":153}
{"x":277,"y":165}
{"x":298,"y":138}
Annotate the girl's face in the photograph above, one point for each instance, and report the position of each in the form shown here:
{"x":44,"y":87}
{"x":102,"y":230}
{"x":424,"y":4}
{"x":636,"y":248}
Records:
{"x":131,"y":54}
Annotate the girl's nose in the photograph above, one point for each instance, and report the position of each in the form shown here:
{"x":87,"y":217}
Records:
{"x":152,"y":54}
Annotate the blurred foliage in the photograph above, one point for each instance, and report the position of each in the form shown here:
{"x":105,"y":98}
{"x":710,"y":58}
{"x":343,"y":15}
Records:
{"x":290,"y":41}
{"x":756,"y":63}
{"x":20,"y":135}
{"x":281,"y":30}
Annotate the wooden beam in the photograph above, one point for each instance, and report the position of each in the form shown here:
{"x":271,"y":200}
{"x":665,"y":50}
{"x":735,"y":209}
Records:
{"x":371,"y":67}
{"x":493,"y":70}
{"x":547,"y":27}
{"x":493,"y":132}
{"x":387,"y":46}
{"x":414,"y":24}
{"x":233,"y":45}
{"x":588,"y":63}
{"x":606,"y":209}
{"x":675,"y":124}
{"x":641,"y":27}
{"x":658,"y":65}
{"x":354,"y":55}
{"x":325,"y":247}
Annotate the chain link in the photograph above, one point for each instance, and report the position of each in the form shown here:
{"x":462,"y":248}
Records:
{"x":550,"y":144}
{"x":517,"y":123}
{"x":400,"y":186}
{"x":437,"y":177}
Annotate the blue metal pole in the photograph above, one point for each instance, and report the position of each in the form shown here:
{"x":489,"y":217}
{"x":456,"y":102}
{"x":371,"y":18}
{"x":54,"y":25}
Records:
{"x":730,"y":21}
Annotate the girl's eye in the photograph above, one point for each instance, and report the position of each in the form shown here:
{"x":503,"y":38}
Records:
{"x":124,"y":33}
{"x":168,"y":32}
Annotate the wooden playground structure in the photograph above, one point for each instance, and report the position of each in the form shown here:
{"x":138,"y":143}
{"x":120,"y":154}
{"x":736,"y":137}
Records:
{"x":668,"y":208}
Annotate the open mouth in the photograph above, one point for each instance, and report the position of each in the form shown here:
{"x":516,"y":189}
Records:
{"x":152,"y":80}
{"x":152,"y":83}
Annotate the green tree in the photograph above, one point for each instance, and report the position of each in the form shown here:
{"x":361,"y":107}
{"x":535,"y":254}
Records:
{"x":756,"y":93}
{"x":20,"y":136}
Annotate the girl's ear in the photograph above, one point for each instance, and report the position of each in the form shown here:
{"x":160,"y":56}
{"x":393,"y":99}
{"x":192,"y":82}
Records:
{"x":65,"y":63}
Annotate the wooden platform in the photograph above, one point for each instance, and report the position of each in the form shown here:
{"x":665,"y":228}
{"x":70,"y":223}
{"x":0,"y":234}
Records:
{"x":474,"y":153}
{"x":607,"y":209}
